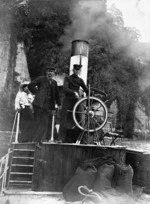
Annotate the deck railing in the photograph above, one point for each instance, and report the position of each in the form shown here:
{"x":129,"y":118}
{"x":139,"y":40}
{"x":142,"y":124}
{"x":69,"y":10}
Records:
{"x":4,"y":161}
{"x":15,"y":128}
{"x":4,"y":166}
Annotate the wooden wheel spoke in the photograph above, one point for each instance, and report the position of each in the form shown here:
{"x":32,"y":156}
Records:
{"x":84,"y":106}
{"x":99,"y":107}
{"x":99,"y":116}
{"x":91,"y":102}
{"x":96,"y":122}
{"x":81,"y":121}
{"x":69,"y":111}
{"x":80,"y":112}
{"x":85,"y":124}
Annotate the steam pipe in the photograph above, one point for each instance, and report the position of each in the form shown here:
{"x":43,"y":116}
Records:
{"x":80,"y":60}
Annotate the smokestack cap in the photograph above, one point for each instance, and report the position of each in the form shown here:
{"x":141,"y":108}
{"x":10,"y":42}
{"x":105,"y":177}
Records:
{"x":77,"y":66}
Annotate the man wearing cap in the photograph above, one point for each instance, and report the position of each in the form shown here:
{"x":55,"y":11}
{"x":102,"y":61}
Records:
{"x":72,"y":85}
{"x":46,"y":99}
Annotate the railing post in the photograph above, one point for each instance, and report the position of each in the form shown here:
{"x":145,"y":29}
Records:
{"x":53,"y":126}
{"x":4,"y":160}
{"x":17,"y":128}
{"x":89,"y":86}
{"x":13,"y":128}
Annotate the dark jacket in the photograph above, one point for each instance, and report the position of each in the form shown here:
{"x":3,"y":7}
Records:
{"x":46,"y":94}
{"x":72,"y":84}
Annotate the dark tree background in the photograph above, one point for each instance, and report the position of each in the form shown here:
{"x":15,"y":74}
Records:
{"x":115,"y":68}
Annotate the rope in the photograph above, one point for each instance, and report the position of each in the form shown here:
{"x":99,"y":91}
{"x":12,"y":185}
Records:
{"x":90,"y":193}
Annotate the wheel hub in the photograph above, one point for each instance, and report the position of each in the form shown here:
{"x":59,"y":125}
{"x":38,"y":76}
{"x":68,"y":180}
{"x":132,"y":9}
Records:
{"x":91,"y":114}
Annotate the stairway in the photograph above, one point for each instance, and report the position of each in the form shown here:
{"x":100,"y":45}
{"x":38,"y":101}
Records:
{"x":21,"y":166}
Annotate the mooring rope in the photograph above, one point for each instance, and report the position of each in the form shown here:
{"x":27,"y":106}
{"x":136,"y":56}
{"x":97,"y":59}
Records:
{"x":90,"y":192}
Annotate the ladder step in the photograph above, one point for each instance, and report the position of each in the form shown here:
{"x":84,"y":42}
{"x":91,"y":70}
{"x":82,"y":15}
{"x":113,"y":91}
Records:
{"x":23,"y":153}
{"x":21,"y":170}
{"x":21,"y":177}
{"x":21,"y":173}
{"x":23,"y":157}
{"x":28,"y":150}
{"x":24,"y":146}
{"x":16,"y":181}
{"x":24,"y":161}
{"x":21,"y":165}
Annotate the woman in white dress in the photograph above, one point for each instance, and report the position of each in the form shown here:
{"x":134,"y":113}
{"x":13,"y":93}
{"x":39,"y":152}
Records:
{"x":23,"y":104}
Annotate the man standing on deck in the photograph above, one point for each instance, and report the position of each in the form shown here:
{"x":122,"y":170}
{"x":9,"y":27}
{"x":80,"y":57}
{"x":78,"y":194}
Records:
{"x":72,"y":85}
{"x":46,"y":99}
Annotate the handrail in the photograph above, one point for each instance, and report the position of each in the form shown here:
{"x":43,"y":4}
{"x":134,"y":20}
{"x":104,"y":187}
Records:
{"x":3,"y":171}
{"x":4,"y":161}
{"x":15,"y":123}
{"x":17,"y":127}
{"x":13,"y":128}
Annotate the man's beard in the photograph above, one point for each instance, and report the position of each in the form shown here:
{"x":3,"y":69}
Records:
{"x":49,"y":77}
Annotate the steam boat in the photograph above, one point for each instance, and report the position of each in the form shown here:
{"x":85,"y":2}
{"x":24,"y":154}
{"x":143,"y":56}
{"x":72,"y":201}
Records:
{"x":49,"y":168}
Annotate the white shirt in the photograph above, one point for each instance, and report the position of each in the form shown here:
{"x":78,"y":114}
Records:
{"x":23,"y":99}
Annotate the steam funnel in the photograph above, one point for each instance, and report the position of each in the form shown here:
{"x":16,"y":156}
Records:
{"x":79,"y":55}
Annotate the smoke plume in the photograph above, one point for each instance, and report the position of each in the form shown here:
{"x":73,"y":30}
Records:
{"x":86,"y":18}
{"x":88,"y":21}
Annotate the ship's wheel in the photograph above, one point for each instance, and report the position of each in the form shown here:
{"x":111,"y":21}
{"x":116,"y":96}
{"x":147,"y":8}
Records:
{"x":93,"y":114}
{"x":90,"y":114}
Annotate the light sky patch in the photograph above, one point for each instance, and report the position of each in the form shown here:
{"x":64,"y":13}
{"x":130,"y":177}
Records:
{"x":136,"y":13}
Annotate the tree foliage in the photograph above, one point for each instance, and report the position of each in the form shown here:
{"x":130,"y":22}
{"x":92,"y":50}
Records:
{"x":115,"y":70}
{"x":145,"y":99}
{"x":40,"y":25}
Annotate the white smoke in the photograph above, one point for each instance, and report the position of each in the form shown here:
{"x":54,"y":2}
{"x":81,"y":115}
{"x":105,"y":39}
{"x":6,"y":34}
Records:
{"x":88,"y":20}
{"x":86,"y":17}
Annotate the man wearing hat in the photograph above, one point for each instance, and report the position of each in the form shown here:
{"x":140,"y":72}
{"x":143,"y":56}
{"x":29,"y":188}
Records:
{"x":72,"y":85}
{"x":46,"y":98}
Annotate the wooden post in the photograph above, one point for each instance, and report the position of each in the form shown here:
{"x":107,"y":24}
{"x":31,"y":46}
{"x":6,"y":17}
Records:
{"x":17,"y":128}
{"x":53,"y":126}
